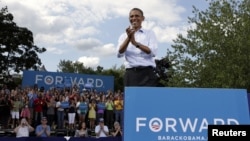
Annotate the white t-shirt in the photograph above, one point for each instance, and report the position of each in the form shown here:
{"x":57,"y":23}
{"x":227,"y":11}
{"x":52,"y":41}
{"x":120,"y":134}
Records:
{"x":102,"y":134}
{"x":23,"y":131}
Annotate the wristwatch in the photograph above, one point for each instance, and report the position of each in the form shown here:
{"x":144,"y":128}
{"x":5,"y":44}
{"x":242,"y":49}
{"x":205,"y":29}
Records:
{"x":138,"y":45}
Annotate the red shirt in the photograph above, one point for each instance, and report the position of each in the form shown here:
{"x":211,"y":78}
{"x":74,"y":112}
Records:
{"x":38,"y":103}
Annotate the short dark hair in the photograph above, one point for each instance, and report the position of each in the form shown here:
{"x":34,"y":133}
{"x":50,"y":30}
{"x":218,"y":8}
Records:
{"x":138,"y":9}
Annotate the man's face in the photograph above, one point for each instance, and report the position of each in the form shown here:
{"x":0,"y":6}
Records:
{"x":135,"y":18}
{"x":101,"y":124}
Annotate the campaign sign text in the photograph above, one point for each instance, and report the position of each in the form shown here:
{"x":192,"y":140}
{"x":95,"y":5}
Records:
{"x":58,"y":79}
{"x":181,"y":114}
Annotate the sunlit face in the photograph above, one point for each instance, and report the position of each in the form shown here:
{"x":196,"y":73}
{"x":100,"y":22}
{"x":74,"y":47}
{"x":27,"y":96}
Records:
{"x":136,"y":18}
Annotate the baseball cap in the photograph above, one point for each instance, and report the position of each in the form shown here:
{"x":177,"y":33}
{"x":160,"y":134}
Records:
{"x":101,"y":120}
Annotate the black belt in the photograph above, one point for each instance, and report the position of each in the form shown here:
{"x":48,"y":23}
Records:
{"x":140,"y":68}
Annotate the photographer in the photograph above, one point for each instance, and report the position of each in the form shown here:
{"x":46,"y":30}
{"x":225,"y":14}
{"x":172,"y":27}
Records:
{"x":23,"y":129}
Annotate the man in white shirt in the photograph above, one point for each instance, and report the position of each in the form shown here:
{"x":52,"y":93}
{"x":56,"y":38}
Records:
{"x":139,"y":48}
{"x":23,"y":129}
{"x":101,"y":130}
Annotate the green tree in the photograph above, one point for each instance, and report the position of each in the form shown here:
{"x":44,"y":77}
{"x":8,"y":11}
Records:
{"x":68,"y":66}
{"x":118,"y":76}
{"x":215,"y":52}
{"x":17,"y":51}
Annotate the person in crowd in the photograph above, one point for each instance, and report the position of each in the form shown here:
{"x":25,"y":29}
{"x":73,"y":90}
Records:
{"x":25,"y":113}
{"x":92,"y":114}
{"x":82,"y":108}
{"x":24,"y":129}
{"x":43,"y":130}
{"x":72,"y":113}
{"x":60,"y":111}
{"x":38,"y":108}
{"x":119,"y":108}
{"x":32,"y":95}
{"x":139,"y":47}
{"x":117,"y":132}
{"x":82,"y":131}
{"x":5,"y":107}
{"x":109,"y":112}
{"x":101,"y":100}
{"x":15,"y":112}
{"x":51,"y":110}
{"x":101,"y":130}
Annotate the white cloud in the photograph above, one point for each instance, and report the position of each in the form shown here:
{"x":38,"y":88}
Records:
{"x":105,"y":50}
{"x":75,"y":28}
{"x":89,"y":61}
{"x":55,"y":50}
{"x":86,"y":44}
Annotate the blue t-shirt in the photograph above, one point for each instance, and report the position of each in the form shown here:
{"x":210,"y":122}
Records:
{"x":39,"y":128}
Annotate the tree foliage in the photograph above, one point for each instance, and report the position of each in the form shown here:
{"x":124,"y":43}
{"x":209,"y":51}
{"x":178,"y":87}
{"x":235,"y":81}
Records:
{"x":68,"y":66}
{"x":17,"y":51}
{"x":215,"y":52}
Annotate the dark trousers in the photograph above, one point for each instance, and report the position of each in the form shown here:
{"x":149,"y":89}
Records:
{"x":140,"y":76}
{"x":109,"y":118}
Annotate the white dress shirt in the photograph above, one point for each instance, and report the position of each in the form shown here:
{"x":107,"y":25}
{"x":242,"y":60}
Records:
{"x":135,"y":57}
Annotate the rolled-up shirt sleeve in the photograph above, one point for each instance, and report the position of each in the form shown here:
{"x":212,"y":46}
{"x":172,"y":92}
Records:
{"x":120,"y":41}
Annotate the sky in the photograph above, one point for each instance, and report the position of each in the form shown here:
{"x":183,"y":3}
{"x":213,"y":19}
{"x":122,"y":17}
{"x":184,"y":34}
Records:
{"x":88,"y":30}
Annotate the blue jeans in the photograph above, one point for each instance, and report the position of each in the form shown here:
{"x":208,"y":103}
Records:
{"x":119,"y":116}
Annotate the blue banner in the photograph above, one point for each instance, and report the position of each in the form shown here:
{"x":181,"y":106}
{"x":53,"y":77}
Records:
{"x":50,"y":80}
{"x":180,"y":114}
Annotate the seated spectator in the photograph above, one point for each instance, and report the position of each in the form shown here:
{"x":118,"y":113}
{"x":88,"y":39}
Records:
{"x":101,"y":130}
{"x":117,"y":132}
{"x":23,"y":129}
{"x":82,"y":131}
{"x":43,"y":130}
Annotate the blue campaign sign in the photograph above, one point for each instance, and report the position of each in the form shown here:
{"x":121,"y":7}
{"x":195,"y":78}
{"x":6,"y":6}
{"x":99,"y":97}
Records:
{"x":61,"y":80}
{"x":180,"y":114}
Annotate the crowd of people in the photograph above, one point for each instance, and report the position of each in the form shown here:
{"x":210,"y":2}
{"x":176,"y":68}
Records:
{"x":100,"y":112}
{"x":67,"y":108}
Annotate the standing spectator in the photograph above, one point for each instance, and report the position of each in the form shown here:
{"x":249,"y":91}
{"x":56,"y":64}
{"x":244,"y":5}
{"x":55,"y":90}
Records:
{"x":51,"y":111}
{"x":72,"y":113}
{"x":109,"y":112}
{"x":24,"y":129}
{"x":101,"y":106}
{"x":82,"y":108}
{"x":119,"y":108}
{"x":32,"y":95}
{"x":101,"y":130}
{"x":15,"y":112}
{"x":5,"y":105}
{"x":38,"y":107}
{"x":25,"y":113}
{"x":43,"y":130}
{"x":92,"y":114}
{"x":60,"y":105}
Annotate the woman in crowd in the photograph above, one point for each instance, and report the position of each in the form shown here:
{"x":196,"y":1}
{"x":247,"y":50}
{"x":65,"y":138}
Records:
{"x":71,"y":113}
{"x":117,"y":130}
{"x":82,"y":108}
{"x":92,"y":114}
{"x":82,"y":131}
